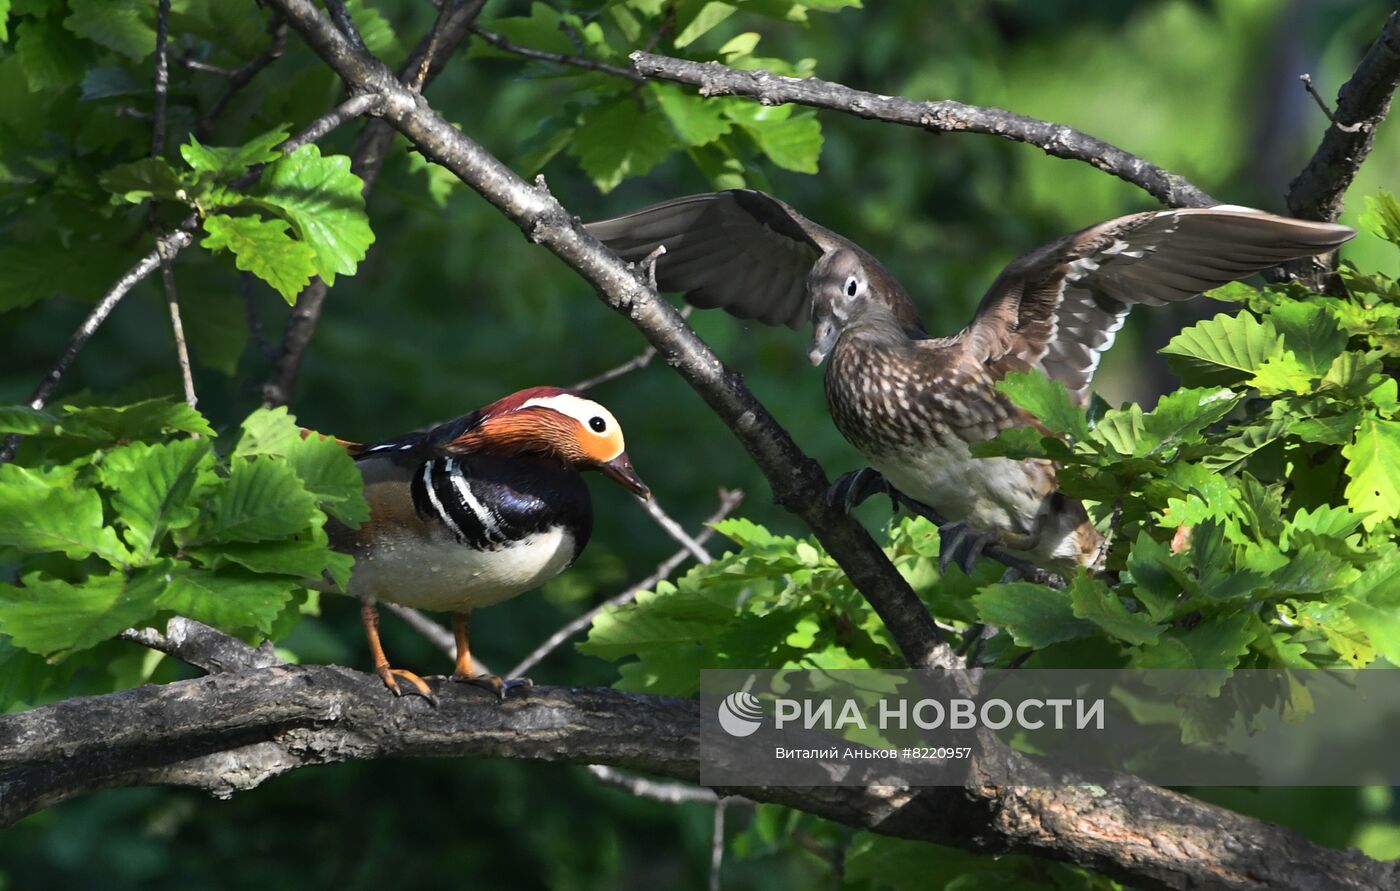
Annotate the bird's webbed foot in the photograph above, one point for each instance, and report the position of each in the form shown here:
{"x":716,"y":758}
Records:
{"x":852,"y":489}
{"x":961,"y":544}
{"x":495,"y":683}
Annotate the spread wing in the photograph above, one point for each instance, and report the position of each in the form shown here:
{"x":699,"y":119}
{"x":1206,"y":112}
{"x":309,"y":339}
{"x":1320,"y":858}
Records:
{"x":742,"y":251}
{"x":1059,"y":308}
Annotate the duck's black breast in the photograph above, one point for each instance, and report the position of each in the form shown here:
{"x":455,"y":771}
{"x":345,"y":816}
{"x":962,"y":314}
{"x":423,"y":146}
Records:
{"x":490,"y":502}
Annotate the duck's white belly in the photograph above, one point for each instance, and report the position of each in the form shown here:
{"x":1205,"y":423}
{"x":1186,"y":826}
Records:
{"x":439,"y":573}
{"x":989,"y":493}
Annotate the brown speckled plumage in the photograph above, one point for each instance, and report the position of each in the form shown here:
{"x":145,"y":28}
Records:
{"x":912,"y":403}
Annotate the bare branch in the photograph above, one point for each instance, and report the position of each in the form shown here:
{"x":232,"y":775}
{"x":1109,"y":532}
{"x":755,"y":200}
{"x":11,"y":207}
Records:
{"x":675,"y":530}
{"x":656,"y":790}
{"x":636,"y":363}
{"x":944,"y":116}
{"x":1362,"y":103}
{"x":167,"y":245}
{"x":177,"y":327}
{"x":234,"y":730}
{"x":717,"y":845}
{"x":162,"y":77}
{"x":579,"y":61}
{"x":202,"y":646}
{"x":365,"y":162}
{"x":1307,"y":82}
{"x":341,"y":16}
{"x":729,"y":500}
{"x":241,"y":77}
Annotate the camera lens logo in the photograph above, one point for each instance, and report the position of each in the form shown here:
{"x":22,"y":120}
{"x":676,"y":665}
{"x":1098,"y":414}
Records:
{"x":740,"y":714}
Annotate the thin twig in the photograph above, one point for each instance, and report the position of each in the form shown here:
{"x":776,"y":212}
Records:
{"x":162,"y":77}
{"x":1322,"y":104}
{"x":500,"y":42}
{"x":344,"y":22}
{"x":729,"y":500}
{"x":676,"y":530}
{"x":254,"y":320}
{"x":665,"y":791}
{"x":241,"y":77}
{"x":167,"y":245}
{"x":717,"y":845}
{"x":204,"y":67}
{"x":421,"y":77}
{"x":177,"y":327}
{"x":202,"y":646}
{"x":354,"y":107}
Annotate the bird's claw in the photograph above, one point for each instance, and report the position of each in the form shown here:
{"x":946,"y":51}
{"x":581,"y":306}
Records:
{"x":961,"y":544}
{"x":494,"y":683}
{"x":853,"y":488}
{"x":416,"y":685}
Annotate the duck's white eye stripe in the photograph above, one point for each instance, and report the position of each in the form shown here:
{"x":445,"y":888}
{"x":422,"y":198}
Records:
{"x":581,"y":410}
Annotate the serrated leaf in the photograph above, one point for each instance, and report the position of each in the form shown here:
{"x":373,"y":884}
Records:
{"x":267,"y":431}
{"x":1160,"y":578}
{"x":1035,"y":616}
{"x":230,"y":599}
{"x":792,"y":141}
{"x":325,"y":204}
{"x":1047,"y":400}
{"x":696,"y":120}
{"x":1282,"y":373}
{"x":304,"y":559}
{"x":144,"y":179}
{"x":263,"y":248}
{"x":1373,"y":603}
{"x":1373,"y":465}
{"x":745,"y":533}
{"x":1382,"y":217}
{"x":1329,"y":521}
{"x":153,"y":488}
{"x":121,"y":25}
{"x":47,"y":513}
{"x":262,"y":500}
{"x":232,"y":161}
{"x":51,"y":58}
{"x":1017,"y":443}
{"x":626,"y":632}
{"x":1123,"y":430}
{"x":618,"y":139}
{"x":1092,"y":601}
{"x":1311,"y":332}
{"x":1182,"y":415}
{"x":148,"y":419}
{"x":47,"y":615}
{"x":1250,"y":441}
{"x":330,"y":474}
{"x":1223,"y":350}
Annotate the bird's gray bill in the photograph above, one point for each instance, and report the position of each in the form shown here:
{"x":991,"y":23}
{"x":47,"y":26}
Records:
{"x":620,"y":469}
{"x":824,"y":334}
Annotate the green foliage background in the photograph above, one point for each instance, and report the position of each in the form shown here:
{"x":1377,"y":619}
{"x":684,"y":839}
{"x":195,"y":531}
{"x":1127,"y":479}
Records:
{"x":439,"y":306}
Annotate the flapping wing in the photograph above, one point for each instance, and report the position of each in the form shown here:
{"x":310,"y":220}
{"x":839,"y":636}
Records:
{"x":742,"y":251}
{"x":1059,"y":308}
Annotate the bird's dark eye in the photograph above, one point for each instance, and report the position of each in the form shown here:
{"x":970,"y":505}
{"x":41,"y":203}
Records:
{"x":598,"y":424}
{"x":851,"y":286}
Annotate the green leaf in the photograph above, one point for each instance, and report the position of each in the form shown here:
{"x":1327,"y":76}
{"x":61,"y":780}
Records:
{"x":793,"y":141}
{"x":1373,"y":464}
{"x":46,"y":615}
{"x":696,"y":121}
{"x":708,"y":16}
{"x":1311,"y":331}
{"x":121,"y":25}
{"x":230,"y":599}
{"x":152,"y":488}
{"x":1035,"y":616}
{"x":46,"y":512}
{"x":618,"y":139}
{"x":24,"y":420}
{"x":233,"y":161}
{"x":262,"y":500}
{"x":52,"y":58}
{"x":1282,"y":373}
{"x":296,"y":557}
{"x":148,"y":419}
{"x":4,"y":31}
{"x":1092,"y":600}
{"x":323,"y":201}
{"x":1382,"y":217}
{"x":263,"y":248}
{"x":1223,"y":350}
{"x":1373,"y":603}
{"x":1123,"y":430}
{"x":1182,"y":415}
{"x":1047,"y":400}
{"x":1327,"y":521}
{"x":144,"y":179}
{"x":330,"y":474}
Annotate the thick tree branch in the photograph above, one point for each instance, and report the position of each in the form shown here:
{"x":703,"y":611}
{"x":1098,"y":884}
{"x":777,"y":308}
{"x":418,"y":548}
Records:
{"x":232,"y":731}
{"x":1362,"y":103}
{"x":943,"y":116}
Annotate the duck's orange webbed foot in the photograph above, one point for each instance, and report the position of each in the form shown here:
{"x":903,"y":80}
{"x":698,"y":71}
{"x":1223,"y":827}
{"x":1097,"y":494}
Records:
{"x":495,"y":683}
{"x":416,"y":686}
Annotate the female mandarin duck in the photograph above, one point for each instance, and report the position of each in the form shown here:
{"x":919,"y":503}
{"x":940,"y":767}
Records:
{"x":912,"y":403}
{"x":478,"y":510}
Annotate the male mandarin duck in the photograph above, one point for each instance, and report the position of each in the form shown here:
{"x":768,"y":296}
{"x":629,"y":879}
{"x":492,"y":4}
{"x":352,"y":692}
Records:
{"x":913,"y":403}
{"x":478,"y":510}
